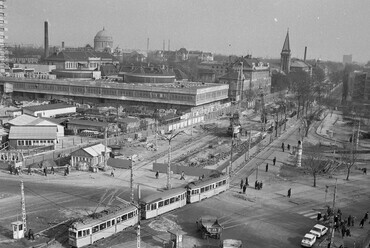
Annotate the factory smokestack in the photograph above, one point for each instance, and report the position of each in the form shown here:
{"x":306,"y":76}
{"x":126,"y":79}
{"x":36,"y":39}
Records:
{"x":62,"y":45}
{"x":305,"y":54}
{"x":46,"y":41}
{"x":169,"y":45}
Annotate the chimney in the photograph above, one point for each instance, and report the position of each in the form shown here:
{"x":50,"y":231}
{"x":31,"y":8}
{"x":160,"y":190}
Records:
{"x":169,"y":42}
{"x":46,"y":41}
{"x":62,"y":45}
{"x":305,"y":53}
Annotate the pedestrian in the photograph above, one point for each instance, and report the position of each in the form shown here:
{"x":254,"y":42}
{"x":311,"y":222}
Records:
{"x":362,"y":222}
{"x":335,"y":218}
{"x":319,"y":216}
{"x":261,"y":184}
{"x":45,"y":172}
{"x":244,"y":188}
{"x":289,"y":192}
{"x":343,"y":231}
{"x":256,"y":184}
{"x":349,"y":220}
{"x":182,"y":176}
{"x":348,"y":232}
{"x":52,"y":170}
{"x":29,"y":170}
{"x":274,"y":161}
{"x":246,"y":181}
{"x":112,"y":173}
{"x":366,"y":215}
{"x":157,"y":174}
{"x":353,"y":221}
{"x":65,"y":172}
{"x":267,"y":167}
{"x":288,"y":146}
{"x":241,"y":183}
{"x":30,"y":234}
{"x":282,"y":146}
{"x":68,"y":169}
{"x":17,"y":169}
{"x":364,"y":170}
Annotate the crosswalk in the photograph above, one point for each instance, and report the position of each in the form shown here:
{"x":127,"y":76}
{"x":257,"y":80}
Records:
{"x":312,"y":214}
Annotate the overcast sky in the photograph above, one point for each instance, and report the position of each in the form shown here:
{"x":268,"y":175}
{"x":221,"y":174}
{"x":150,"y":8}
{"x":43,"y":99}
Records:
{"x":329,"y":28}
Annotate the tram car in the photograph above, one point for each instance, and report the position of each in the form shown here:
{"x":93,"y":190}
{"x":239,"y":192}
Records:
{"x":160,"y":203}
{"x":202,"y":189}
{"x":102,"y":225}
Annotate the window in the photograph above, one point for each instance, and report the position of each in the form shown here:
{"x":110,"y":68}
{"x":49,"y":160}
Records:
{"x":166,"y":202}
{"x":86,"y":232}
{"x":95,"y":229}
{"x":224,"y":181}
{"x":154,"y":206}
{"x":160,"y":204}
{"x":130,"y":215}
{"x":79,"y":234}
{"x":177,"y":198}
{"x":124,"y":217}
{"x":148,"y":207}
{"x":118,"y":220}
{"x":103,"y":226}
{"x":172,"y":200}
{"x":113,"y":222}
{"x":201,"y":190}
{"x":108,"y":223}
{"x":207,"y":188}
{"x":72,"y":234}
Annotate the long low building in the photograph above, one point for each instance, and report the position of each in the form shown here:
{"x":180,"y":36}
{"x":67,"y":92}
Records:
{"x":178,"y":95}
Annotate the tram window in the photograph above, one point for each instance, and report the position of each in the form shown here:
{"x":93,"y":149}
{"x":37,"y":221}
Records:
{"x":154,"y":206}
{"x":148,"y":207}
{"x":108,"y":223}
{"x":182,"y":196}
{"x":95,"y":229}
{"x":160,"y":204}
{"x":130,"y":215}
{"x":207,"y":188}
{"x":172,"y":200}
{"x":103,"y":226}
{"x":86,"y":232}
{"x":79,"y":234}
{"x":201,"y":190}
{"x":118,"y":220}
{"x":177,"y":198}
{"x":113,"y":222}
{"x":166,"y":202}
{"x":72,"y":234}
{"x":124,"y":217}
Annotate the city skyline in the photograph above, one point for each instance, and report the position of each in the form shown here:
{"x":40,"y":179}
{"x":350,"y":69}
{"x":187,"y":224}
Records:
{"x":329,"y":29}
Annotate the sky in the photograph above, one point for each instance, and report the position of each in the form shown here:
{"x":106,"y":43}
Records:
{"x":329,"y":28}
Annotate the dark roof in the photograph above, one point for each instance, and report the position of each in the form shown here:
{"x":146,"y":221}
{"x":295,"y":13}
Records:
{"x":33,"y":132}
{"x":79,"y":55}
{"x":205,"y":71}
{"x":234,"y":75}
{"x":119,"y":163}
{"x":48,"y":107}
{"x":87,"y":123}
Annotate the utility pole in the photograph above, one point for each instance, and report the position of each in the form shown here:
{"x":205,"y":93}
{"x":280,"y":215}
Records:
{"x":332,"y":224}
{"x":105,"y":148}
{"x":23,"y":203}
{"x":138,"y":239}
{"x":132,"y":181}
{"x":249,"y":144}
{"x":169,"y":186}
{"x":358,"y":135}
{"x":231,"y":154}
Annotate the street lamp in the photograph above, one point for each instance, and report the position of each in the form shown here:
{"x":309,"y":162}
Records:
{"x":169,"y":138}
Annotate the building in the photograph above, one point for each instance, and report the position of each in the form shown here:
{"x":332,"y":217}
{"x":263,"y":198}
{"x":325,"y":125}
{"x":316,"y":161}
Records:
{"x":26,"y":59}
{"x":211,"y":71}
{"x":49,"y":110}
{"x":3,"y":37}
{"x":103,"y":41}
{"x":147,"y":74}
{"x":359,"y":86}
{"x":27,"y":137}
{"x":347,"y":59}
{"x":300,"y":65}
{"x":285,"y":54}
{"x":77,"y":126}
{"x":90,"y":156}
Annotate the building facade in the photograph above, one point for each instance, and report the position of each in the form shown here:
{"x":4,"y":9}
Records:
{"x":27,"y":137}
{"x":49,"y":110}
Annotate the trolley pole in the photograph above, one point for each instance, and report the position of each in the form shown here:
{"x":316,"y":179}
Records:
{"x":231,"y":155}
{"x":332,"y":224}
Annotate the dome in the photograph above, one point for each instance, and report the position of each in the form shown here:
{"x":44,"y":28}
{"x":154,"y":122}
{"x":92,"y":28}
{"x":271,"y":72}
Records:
{"x":103,"y":35}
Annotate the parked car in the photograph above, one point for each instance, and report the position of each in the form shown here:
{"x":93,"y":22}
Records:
{"x":319,"y":230}
{"x":308,"y":240}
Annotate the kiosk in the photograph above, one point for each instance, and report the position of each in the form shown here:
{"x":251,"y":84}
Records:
{"x":18,"y":229}
{"x":176,"y":238}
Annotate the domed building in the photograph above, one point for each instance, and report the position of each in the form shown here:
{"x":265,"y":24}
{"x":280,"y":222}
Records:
{"x":102,"y":41}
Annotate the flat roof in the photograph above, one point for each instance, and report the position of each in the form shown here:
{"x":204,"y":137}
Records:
{"x":33,"y":132}
{"x":87,"y":123}
{"x":45,"y":107}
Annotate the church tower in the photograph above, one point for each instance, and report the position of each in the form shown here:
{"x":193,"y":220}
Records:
{"x":285,"y":55}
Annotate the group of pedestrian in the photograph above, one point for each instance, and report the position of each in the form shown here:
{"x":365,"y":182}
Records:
{"x":258,"y":185}
{"x":283,"y":147}
{"x":14,"y":170}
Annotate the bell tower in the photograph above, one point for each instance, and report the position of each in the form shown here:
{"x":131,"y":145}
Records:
{"x":285,"y":55}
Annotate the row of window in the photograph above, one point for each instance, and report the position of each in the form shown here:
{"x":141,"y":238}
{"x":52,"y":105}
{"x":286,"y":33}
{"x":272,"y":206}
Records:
{"x":102,"y":226}
{"x":210,"y":95}
{"x":166,"y":202}
{"x":34,"y":142}
{"x":208,"y":187}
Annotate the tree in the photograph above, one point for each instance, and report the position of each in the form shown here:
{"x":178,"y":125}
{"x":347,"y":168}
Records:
{"x":314,"y":161}
{"x":302,"y":86}
{"x":349,"y":156}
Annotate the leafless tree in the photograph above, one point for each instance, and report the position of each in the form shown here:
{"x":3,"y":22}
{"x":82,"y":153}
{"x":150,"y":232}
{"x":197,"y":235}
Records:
{"x":349,"y":157}
{"x":314,"y":161}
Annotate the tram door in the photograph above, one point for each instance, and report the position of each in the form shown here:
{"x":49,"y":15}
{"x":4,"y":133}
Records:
{"x":188,"y":196}
{"x":143,"y":210}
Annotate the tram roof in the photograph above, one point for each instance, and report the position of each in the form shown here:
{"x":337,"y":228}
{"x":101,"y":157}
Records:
{"x":162,"y":195}
{"x":106,"y":214}
{"x":200,"y":183}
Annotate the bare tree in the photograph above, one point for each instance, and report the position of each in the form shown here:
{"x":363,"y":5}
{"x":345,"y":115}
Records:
{"x":314,"y":161}
{"x":349,"y":157}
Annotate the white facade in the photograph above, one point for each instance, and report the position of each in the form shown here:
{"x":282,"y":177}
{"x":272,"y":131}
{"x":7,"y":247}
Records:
{"x":51,"y":112}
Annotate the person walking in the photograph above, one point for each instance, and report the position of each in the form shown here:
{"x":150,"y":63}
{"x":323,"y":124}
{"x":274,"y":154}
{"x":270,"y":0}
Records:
{"x":157,"y":174}
{"x":45,"y":172}
{"x":241,"y":184}
{"x":289,"y":192}
{"x":364,"y":170}
{"x":52,"y":170}
{"x":31,"y":235}
{"x":362,"y":222}
{"x":288,"y":147}
{"x":246,"y":181}
{"x":274,"y":161}
{"x":244,"y":188}
{"x":349,"y":220}
{"x":319,"y":216}
{"x":182,"y":176}
{"x":366,"y":216}
{"x":256,"y":184}
{"x":112,"y":173}
{"x":267,"y":167}
{"x":29,"y":170}
{"x":261,"y":184}
{"x":282,"y":146}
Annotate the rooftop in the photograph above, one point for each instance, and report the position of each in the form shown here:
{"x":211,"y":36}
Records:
{"x":33,"y":132}
{"x":45,"y":107}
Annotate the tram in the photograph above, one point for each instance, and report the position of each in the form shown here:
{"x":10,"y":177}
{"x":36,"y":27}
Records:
{"x":157,"y":204}
{"x":199,"y":190}
{"x":102,"y":225}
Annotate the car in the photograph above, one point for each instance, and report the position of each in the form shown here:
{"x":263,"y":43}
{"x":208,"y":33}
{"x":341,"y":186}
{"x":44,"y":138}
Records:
{"x":319,"y":230}
{"x":308,"y":240}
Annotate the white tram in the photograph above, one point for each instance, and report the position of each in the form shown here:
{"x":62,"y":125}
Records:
{"x":102,"y":225}
{"x":157,"y":204}
{"x":202,"y":189}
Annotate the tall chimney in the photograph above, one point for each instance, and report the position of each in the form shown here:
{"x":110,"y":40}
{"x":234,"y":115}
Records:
{"x":46,"y":41}
{"x":305,"y":53}
{"x":62,"y":45}
{"x":169,"y":43}
{"x":164,"y":45}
